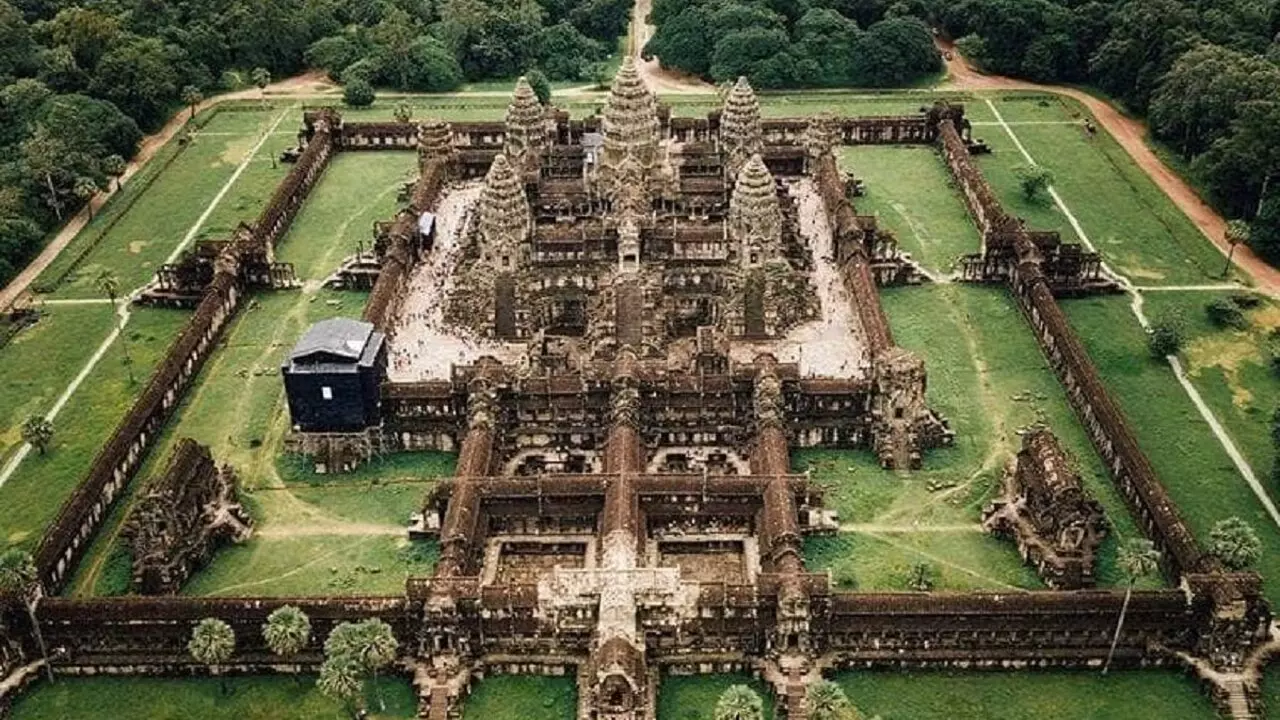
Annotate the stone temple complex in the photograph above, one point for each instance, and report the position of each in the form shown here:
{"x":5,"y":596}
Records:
{"x":622,"y":325}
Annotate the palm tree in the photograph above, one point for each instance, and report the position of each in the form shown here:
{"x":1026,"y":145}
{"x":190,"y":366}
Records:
{"x":287,"y":631}
{"x":212,"y":643}
{"x":827,"y":701}
{"x":739,"y":702}
{"x":374,"y":643}
{"x":342,"y":678}
{"x":192,"y":97}
{"x":1235,"y":543}
{"x":1137,"y":557}
{"x":114,"y":166}
{"x":109,"y":284}
{"x":19,"y":577}
{"x":37,"y":431}
{"x":1237,"y":232}
{"x":85,"y":188}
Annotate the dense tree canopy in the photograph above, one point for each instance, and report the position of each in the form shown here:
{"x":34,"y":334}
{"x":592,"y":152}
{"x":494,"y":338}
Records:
{"x":791,"y":43}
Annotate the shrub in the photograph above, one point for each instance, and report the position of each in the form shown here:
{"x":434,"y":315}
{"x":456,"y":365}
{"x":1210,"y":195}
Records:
{"x":358,"y":93}
{"x":1165,"y":338}
{"x":1224,"y":313}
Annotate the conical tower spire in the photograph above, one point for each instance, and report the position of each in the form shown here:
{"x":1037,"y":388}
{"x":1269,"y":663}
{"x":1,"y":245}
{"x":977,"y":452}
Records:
{"x":503,"y":217}
{"x":630,"y":127}
{"x":755,"y":216}
{"x":526,"y":132}
{"x":740,"y":135}
{"x":435,"y":141}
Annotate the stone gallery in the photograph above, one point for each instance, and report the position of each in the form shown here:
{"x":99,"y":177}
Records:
{"x":623,"y":324}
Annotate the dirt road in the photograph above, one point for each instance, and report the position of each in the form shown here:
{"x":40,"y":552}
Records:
{"x":1131,"y":134}
{"x":659,"y":80}
{"x":309,"y":84}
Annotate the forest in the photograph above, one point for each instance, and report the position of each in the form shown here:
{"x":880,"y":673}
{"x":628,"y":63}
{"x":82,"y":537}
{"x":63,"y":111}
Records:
{"x":1205,"y":73}
{"x":80,"y":82}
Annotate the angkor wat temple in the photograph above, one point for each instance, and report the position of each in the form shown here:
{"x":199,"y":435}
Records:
{"x":629,"y":321}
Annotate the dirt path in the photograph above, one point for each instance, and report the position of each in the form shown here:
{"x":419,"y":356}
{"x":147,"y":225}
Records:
{"x":659,"y":79}
{"x":1131,"y":134}
{"x":307,"y":84}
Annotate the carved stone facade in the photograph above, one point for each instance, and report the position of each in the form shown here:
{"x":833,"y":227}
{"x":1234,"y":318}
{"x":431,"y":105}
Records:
{"x":740,"y":133}
{"x":186,"y":514}
{"x":1045,"y":508}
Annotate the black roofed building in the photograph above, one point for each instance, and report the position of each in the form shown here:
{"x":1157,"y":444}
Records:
{"x":332,"y":376}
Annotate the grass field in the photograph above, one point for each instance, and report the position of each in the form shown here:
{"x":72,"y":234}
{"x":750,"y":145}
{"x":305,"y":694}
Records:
{"x":41,"y":483}
{"x":343,"y":537}
{"x":1187,"y":457}
{"x":1057,"y":695}
{"x":250,"y":698}
{"x":1135,"y":226}
{"x":522,"y":697}
{"x":693,"y":697}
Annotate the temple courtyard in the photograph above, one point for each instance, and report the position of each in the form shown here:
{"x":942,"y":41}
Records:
{"x":873,"y":518}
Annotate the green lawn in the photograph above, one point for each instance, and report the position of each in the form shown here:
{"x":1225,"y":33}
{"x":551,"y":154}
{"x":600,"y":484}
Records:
{"x":988,"y":377}
{"x":693,"y":697}
{"x":522,"y":697}
{"x":345,"y":536}
{"x":31,"y":498}
{"x":1189,"y":460}
{"x":250,"y":698}
{"x":1050,"y":695}
{"x":1135,"y":226}
{"x":909,"y":189}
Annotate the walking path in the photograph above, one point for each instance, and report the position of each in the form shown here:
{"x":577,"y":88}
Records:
{"x":1228,"y":445}
{"x":1131,"y":134}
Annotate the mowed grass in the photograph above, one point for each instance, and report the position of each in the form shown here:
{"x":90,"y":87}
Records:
{"x":1050,"y":695}
{"x":1135,"y":226}
{"x":909,"y":189}
{"x":693,"y":697}
{"x":1189,"y":460}
{"x":522,"y":697}
{"x":41,"y":359}
{"x":249,"y":698}
{"x":31,"y":498}
{"x":988,"y":378}
{"x":1231,"y":369}
{"x":336,"y":537}
{"x":156,"y":225}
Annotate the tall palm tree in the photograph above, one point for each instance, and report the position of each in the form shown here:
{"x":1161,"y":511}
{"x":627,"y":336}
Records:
{"x":287,"y":631}
{"x":342,"y":678}
{"x":1237,"y":232}
{"x":212,"y":643}
{"x":85,"y":188}
{"x":192,"y":97}
{"x":376,"y":646}
{"x":1137,"y":557}
{"x":827,"y":701}
{"x":739,"y":702}
{"x":38,"y":432}
{"x":109,"y":284}
{"x":19,"y":577}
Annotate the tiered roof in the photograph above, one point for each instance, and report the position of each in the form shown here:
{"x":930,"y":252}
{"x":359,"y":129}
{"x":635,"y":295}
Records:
{"x":755,"y":217}
{"x":740,"y":136}
{"x":526,"y":134}
{"x":503,"y":216}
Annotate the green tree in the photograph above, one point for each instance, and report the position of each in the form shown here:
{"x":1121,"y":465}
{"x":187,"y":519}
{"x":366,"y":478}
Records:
{"x":370,"y":642}
{"x":1165,"y":337}
{"x":921,"y":577}
{"x":261,"y":78}
{"x":739,"y":702}
{"x":342,"y":678}
{"x":44,"y":155}
{"x":114,"y":166}
{"x":827,"y":701}
{"x":1034,"y":180}
{"x":192,"y":97}
{"x":139,"y":76}
{"x":1137,"y":558}
{"x":37,"y":431}
{"x":109,"y":285}
{"x":1235,"y":543}
{"x":403,"y":112}
{"x":1237,"y":232}
{"x":358,"y":93}
{"x":19,"y":577}
{"x":212,"y":643}
{"x":85,"y":188}
{"x":541,"y":86}
{"x":1200,"y":97}
{"x":332,"y":54}
{"x":287,"y":631}
{"x":1224,"y":313}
